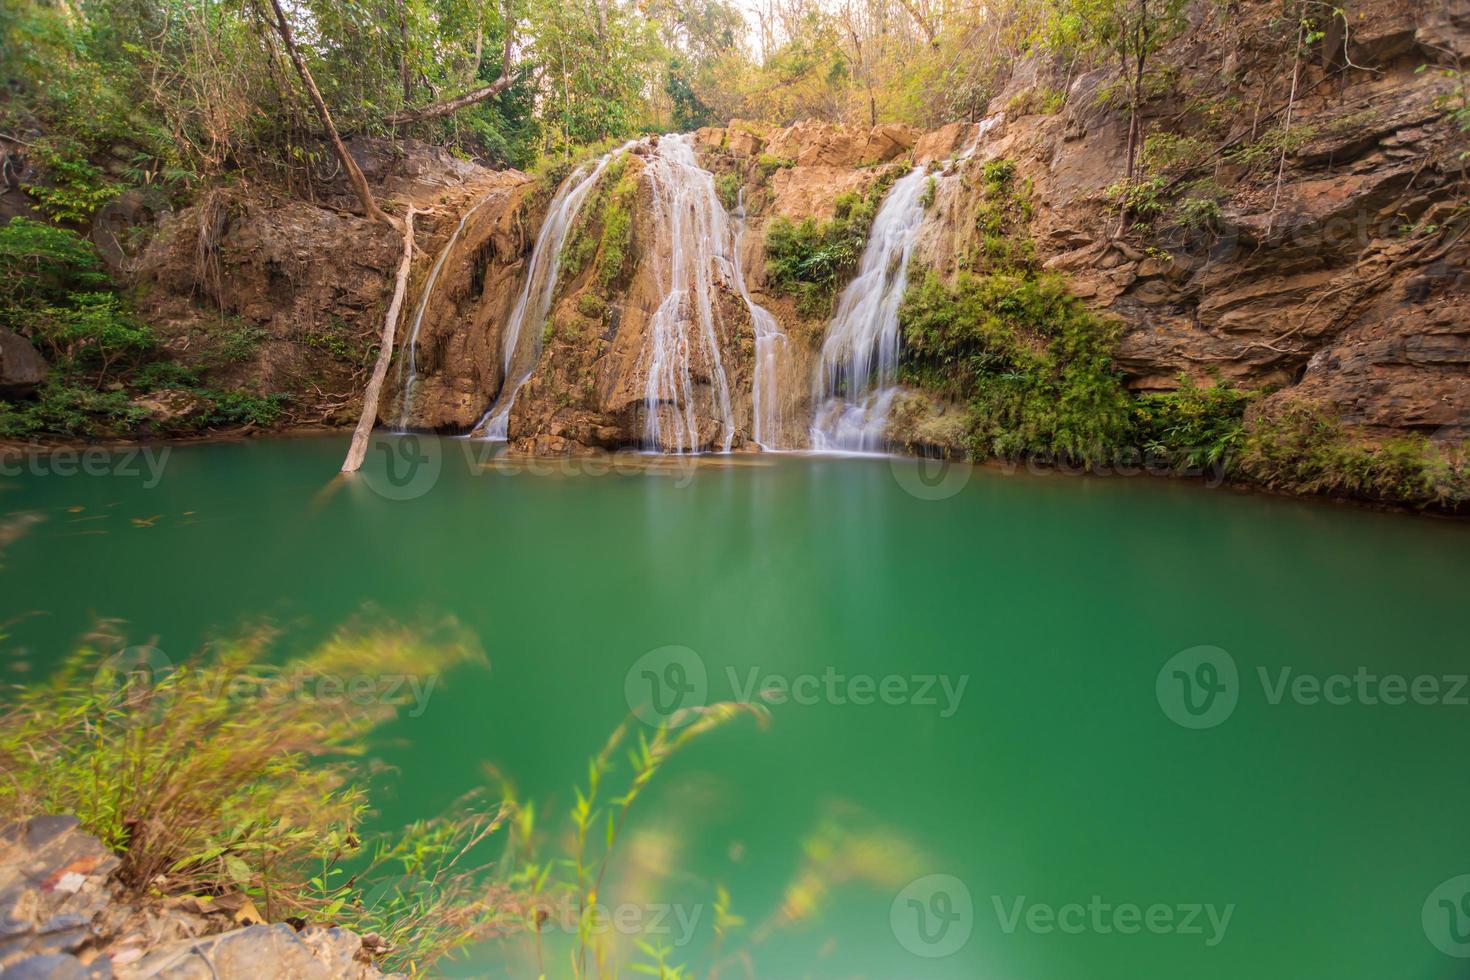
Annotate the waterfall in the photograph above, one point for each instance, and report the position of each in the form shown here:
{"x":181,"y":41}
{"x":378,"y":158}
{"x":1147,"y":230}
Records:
{"x":770,"y":344}
{"x":410,"y":362}
{"x":536,"y":295}
{"x":858,"y":375}
{"x":694,"y":238}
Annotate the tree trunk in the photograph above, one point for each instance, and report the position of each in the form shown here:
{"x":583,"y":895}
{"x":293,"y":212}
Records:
{"x":358,"y":450}
{"x":354,"y":175}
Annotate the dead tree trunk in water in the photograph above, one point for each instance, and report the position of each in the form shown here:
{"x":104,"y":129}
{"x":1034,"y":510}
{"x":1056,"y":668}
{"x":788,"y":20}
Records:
{"x":358,"y":450}
{"x":354,"y":175}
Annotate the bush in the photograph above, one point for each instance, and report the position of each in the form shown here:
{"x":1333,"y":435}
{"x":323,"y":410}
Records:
{"x":94,"y":331}
{"x":42,"y":264}
{"x":1303,"y":448}
{"x":1034,"y":365}
{"x":63,"y":408}
{"x":812,"y":260}
{"x":1192,"y":427}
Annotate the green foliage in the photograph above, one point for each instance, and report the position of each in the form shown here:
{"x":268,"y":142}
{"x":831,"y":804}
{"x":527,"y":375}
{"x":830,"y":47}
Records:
{"x":42,"y":265}
{"x":236,"y":341}
{"x":1002,"y":218}
{"x":62,"y":407}
{"x":926,"y":199}
{"x":1040,"y":100}
{"x":1192,"y":427}
{"x":226,"y":772}
{"x":770,"y":164}
{"x":811,"y":260}
{"x":1142,"y":200}
{"x":244,"y":408}
{"x":1304,"y":448}
{"x":93,"y":331}
{"x":727,"y":185}
{"x":1033,"y":364}
{"x":73,"y":189}
{"x":1172,"y":152}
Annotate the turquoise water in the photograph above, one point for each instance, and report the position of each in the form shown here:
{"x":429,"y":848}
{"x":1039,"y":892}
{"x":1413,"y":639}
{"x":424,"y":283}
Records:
{"x":1026,"y":750}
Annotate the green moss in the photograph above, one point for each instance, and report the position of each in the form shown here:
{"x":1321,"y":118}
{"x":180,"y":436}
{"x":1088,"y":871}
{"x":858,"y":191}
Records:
{"x":1002,"y":219}
{"x":770,"y":164}
{"x":811,"y":260}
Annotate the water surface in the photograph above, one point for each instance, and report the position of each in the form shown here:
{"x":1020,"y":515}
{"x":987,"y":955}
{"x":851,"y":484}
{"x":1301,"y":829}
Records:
{"x":1058,"y":776}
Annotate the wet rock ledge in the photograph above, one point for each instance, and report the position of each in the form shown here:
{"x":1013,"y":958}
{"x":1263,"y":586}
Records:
{"x":63,"y":917}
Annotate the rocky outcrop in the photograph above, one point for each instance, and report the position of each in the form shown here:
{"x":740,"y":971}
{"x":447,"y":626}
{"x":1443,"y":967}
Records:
{"x":286,"y":296}
{"x":62,"y":917}
{"x":21,"y":367}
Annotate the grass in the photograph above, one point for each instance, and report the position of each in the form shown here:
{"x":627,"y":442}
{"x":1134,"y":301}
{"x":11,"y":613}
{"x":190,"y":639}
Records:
{"x":236,"y":772}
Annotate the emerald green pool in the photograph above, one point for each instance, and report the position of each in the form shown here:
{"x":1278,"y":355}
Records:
{"x":1012,"y":640}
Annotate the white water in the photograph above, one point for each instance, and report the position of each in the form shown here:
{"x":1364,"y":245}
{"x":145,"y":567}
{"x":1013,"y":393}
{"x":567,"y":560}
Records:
{"x":770,"y":345}
{"x":695,"y":241}
{"x":410,"y":362}
{"x":534,"y":302}
{"x":858,"y":374}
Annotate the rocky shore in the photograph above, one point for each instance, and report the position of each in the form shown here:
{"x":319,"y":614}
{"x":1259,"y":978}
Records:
{"x":63,"y":916}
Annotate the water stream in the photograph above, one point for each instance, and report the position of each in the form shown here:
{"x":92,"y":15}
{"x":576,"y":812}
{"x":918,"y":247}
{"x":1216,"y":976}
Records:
{"x":534,"y":302}
{"x":858,"y":374}
{"x":770,"y":346}
{"x":686,"y":376}
{"x":408,"y":365}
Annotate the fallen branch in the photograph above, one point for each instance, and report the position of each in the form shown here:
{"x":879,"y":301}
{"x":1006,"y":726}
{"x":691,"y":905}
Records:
{"x":358,"y":450}
{"x":437,"y":110}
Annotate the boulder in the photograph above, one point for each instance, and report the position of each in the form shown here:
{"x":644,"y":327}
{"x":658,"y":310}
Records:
{"x":21,"y":367}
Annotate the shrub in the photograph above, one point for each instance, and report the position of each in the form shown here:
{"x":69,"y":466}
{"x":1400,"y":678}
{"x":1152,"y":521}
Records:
{"x":61,"y":407}
{"x":811,"y":260}
{"x":43,"y":264}
{"x":1192,"y":427}
{"x":727,"y":185}
{"x":1303,"y":448}
{"x":74,"y":188}
{"x":1034,"y":365}
{"x":94,"y":331}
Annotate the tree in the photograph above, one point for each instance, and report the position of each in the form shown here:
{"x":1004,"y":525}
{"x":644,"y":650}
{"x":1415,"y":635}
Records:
{"x":354,"y":173}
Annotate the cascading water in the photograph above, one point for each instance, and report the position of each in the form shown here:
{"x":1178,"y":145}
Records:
{"x":695,"y":238}
{"x":770,"y":345}
{"x":534,"y":302}
{"x":409,"y":363}
{"x":858,"y":376}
